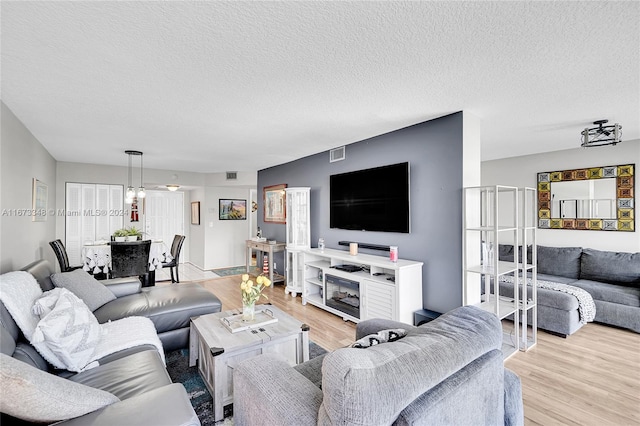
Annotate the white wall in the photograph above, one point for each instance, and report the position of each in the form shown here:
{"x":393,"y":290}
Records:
{"x":522,"y":171}
{"x":225,"y":240}
{"x":23,"y":158}
{"x":196,"y":238}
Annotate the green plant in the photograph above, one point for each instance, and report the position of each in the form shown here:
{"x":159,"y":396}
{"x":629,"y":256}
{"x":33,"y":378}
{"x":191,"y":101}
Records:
{"x":133,"y":231}
{"x":121,"y":232}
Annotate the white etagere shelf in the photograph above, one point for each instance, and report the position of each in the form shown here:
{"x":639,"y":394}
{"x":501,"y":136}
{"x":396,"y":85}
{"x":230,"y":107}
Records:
{"x":490,"y":219}
{"x":495,"y":215}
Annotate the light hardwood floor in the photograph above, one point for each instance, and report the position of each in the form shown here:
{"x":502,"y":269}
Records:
{"x":589,"y":378}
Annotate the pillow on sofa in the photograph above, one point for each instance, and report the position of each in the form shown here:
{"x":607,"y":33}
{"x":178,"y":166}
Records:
{"x":83,"y":285}
{"x":610,"y":267}
{"x":67,"y":336}
{"x":37,"y":396}
{"x":382,"y":336}
{"x":561,"y":261}
{"x":505,"y":252}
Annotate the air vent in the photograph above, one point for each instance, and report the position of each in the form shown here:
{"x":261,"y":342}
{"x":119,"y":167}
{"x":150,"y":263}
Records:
{"x":232,"y":175}
{"x":336,"y":154}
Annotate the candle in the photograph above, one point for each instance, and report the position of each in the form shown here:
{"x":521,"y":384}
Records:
{"x":353,"y":249}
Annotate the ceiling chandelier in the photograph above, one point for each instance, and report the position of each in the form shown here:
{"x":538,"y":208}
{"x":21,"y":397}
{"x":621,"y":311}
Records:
{"x":601,"y":135}
{"x":131,"y":191}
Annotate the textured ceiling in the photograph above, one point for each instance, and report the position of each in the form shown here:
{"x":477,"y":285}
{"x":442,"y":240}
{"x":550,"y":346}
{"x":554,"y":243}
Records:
{"x":215,"y":86}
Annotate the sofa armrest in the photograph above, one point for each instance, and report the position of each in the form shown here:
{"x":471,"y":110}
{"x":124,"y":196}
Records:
{"x":267,"y":390}
{"x":123,"y":286}
{"x":168,"y":405}
{"x":373,"y":326}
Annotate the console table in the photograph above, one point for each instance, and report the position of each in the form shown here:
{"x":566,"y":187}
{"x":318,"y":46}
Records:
{"x":269,"y":249}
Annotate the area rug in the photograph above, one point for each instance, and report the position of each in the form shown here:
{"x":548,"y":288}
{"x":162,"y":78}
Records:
{"x":180,"y":372}
{"x":234,"y":270}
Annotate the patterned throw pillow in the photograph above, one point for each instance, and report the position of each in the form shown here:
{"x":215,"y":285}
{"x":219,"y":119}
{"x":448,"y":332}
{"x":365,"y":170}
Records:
{"x":380,"y":337}
{"x":69,"y":332}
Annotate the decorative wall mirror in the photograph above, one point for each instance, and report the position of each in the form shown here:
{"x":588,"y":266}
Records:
{"x":597,"y":198}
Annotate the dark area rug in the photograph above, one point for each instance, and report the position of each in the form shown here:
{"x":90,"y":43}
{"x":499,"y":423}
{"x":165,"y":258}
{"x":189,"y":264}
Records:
{"x":180,"y":372}
{"x":234,"y":270}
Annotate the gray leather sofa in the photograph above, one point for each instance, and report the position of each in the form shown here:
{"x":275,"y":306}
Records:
{"x":611,"y":278}
{"x":447,"y":371}
{"x":137,"y":376}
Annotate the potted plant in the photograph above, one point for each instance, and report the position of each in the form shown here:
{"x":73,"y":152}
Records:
{"x":120,"y":235}
{"x":133,"y":233}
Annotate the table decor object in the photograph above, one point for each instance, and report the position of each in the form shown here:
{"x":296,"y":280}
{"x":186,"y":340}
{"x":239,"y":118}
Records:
{"x":237,"y":323}
{"x":251,"y":292}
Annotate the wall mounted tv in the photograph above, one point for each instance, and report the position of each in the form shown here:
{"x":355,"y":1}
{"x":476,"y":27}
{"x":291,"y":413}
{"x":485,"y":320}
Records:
{"x":371,"y":200}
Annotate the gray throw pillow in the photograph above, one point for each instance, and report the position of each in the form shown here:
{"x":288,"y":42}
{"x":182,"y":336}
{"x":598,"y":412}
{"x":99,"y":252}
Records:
{"x":83,"y":285}
{"x":561,"y":261}
{"x":611,"y":267}
{"x":37,"y":396}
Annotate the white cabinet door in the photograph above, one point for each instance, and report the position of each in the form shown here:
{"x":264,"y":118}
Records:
{"x":379,"y":300}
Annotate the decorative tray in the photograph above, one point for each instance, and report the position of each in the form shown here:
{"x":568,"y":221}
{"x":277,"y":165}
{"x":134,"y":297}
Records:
{"x":234,"y":323}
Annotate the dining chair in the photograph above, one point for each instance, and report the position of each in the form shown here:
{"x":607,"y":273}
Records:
{"x":61,"y":254}
{"x":131,"y":259}
{"x":176,"y":247}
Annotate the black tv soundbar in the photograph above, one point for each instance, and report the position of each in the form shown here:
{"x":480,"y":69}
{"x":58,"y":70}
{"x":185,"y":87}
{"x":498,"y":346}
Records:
{"x":365,"y":245}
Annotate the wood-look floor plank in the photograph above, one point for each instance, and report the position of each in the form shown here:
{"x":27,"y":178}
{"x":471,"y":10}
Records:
{"x":589,"y":378}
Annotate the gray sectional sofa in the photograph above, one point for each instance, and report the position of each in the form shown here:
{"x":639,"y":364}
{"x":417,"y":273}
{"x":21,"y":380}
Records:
{"x":611,"y":278}
{"x":446,"y":372}
{"x":130,"y":386}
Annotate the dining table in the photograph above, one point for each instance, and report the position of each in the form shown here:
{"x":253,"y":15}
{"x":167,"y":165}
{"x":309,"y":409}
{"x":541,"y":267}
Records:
{"x":96,"y":256}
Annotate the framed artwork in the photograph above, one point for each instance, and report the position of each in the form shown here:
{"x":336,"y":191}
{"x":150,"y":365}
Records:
{"x":40,"y":194}
{"x":233,"y":209}
{"x":195,"y":213}
{"x":274,"y":203}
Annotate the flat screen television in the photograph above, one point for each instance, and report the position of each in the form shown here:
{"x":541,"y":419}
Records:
{"x":371,"y":200}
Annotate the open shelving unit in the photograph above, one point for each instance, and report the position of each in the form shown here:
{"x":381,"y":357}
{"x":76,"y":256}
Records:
{"x":490,"y":219}
{"x":528,"y":269}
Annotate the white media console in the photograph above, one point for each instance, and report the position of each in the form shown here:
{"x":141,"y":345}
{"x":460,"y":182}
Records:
{"x":381,"y":289}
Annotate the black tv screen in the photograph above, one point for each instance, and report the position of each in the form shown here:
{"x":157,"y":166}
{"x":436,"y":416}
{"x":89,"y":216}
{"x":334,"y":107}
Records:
{"x":371,"y":200}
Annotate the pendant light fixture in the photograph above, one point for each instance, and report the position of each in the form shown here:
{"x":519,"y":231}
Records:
{"x":131,"y":191}
{"x":601,"y":135}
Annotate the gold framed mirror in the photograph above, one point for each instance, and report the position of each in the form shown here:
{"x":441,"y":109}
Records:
{"x":596,"y":198}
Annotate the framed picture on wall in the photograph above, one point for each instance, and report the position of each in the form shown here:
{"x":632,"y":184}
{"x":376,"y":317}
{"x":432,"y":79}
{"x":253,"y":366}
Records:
{"x":40,"y":193}
{"x":195,"y":213}
{"x":233,"y":209}
{"x":274,"y":203}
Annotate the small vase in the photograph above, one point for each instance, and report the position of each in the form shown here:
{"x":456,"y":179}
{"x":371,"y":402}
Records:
{"x":248,"y":311}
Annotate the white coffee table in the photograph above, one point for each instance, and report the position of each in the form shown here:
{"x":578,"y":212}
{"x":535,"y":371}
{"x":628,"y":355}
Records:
{"x":216,"y":350}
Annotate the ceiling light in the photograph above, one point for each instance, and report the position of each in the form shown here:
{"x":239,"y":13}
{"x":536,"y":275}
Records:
{"x":601,"y":135}
{"x":172,"y":187}
{"x":131,"y":191}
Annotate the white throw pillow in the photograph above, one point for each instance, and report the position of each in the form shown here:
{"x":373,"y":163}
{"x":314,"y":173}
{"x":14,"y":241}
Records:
{"x":34,"y":395}
{"x":70,"y":332}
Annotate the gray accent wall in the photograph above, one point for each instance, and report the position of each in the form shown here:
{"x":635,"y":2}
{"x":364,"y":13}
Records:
{"x":23,"y":158}
{"x":434,"y":150}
